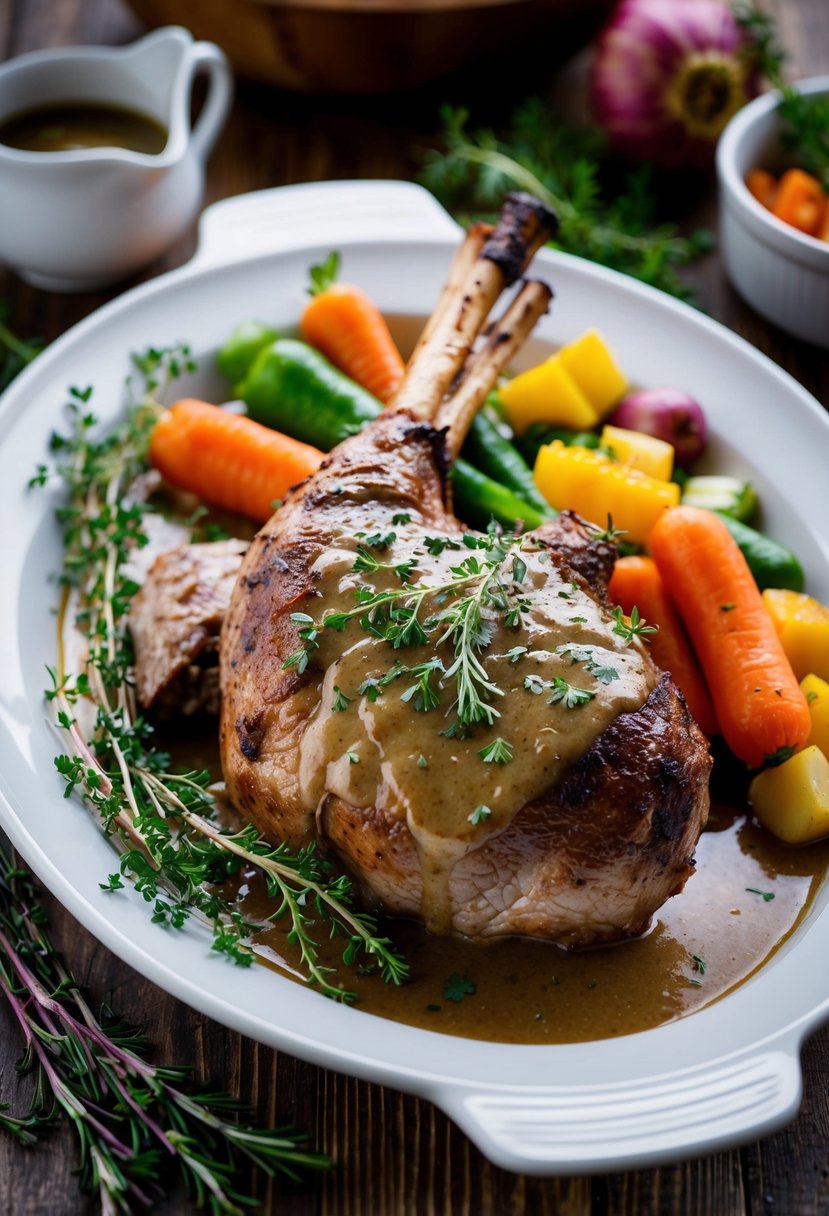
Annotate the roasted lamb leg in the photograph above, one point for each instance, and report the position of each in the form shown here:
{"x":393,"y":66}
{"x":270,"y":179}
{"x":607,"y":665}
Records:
{"x":461,"y":718}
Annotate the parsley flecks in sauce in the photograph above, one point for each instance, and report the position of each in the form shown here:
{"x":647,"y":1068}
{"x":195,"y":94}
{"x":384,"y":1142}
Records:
{"x":428,"y":668}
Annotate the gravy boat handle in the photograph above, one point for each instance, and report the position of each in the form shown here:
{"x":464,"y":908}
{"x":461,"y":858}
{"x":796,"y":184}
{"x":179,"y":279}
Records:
{"x":208,"y":58}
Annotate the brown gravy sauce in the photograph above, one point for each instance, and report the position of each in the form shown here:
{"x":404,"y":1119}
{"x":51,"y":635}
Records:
{"x":748,"y":896}
{"x":386,"y":753}
{"x":71,"y":126}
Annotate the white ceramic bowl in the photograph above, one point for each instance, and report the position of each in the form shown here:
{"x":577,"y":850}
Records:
{"x":780,"y":272}
{"x":729,"y":1072}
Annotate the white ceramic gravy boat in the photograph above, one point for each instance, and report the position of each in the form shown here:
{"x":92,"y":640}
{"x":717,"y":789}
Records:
{"x":80,"y":219}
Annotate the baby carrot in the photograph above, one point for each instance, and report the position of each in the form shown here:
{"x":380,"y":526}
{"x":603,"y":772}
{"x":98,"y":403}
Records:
{"x":341,"y":321}
{"x":763,"y":186}
{"x":228,"y":460}
{"x":637,"y":582}
{"x":800,"y":201}
{"x":761,"y":709}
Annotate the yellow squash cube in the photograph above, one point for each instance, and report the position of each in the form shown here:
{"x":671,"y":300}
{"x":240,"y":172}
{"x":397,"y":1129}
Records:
{"x":802,"y":624}
{"x":547,"y":393}
{"x":816,"y":692}
{"x":587,"y":482}
{"x":792,"y":800}
{"x":594,"y":370}
{"x":637,"y":451}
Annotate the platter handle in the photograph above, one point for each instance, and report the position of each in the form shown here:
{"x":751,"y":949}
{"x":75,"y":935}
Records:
{"x":595,"y":1129}
{"x":318,"y":213}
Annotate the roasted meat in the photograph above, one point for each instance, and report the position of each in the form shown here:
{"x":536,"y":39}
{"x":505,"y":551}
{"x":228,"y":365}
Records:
{"x":462,"y":718}
{"x":175,"y":620}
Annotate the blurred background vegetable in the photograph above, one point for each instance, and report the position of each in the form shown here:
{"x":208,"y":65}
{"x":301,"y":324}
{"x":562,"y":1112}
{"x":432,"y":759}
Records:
{"x":562,"y":164}
{"x":668,"y":76}
{"x":665,"y":413}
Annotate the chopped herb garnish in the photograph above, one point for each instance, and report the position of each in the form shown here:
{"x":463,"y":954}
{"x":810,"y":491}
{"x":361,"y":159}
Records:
{"x":568,"y":694}
{"x":766,"y":896}
{"x":496,"y":752}
{"x":727,"y":607}
{"x":699,"y":963}
{"x":422,"y":762}
{"x":632,"y":628}
{"x":479,"y":815}
{"x":353,"y":758}
{"x":401,"y":518}
{"x":457,"y":987}
{"x":609,"y":533}
{"x":517,"y":651}
{"x":341,"y":702}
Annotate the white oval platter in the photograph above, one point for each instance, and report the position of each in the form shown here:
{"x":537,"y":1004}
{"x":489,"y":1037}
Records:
{"x":723,"y":1075}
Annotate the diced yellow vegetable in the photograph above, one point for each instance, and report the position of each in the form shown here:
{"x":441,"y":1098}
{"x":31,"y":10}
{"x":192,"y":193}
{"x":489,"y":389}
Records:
{"x":816,"y":692}
{"x":639,"y":451}
{"x":595,"y":487}
{"x":802,"y":623}
{"x":547,"y":393}
{"x":792,"y":800}
{"x":594,"y":370}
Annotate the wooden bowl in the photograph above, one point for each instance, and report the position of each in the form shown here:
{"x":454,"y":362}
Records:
{"x":376,"y":46}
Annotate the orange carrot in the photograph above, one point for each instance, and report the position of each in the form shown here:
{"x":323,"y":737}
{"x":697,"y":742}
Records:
{"x":341,"y":321}
{"x":763,"y":186}
{"x":800,"y":201}
{"x":637,"y":582}
{"x":228,"y":460}
{"x":762,"y":711}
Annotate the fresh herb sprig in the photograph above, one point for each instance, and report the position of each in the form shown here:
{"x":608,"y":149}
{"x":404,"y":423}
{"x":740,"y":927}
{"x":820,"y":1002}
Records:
{"x":805,"y":118}
{"x":173,"y":847}
{"x":458,"y":612}
{"x":561,"y":164}
{"x":15,"y":352}
{"x":134,"y":1122}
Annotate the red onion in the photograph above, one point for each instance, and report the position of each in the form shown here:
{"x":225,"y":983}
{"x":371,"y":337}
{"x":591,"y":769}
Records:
{"x":665,"y":413}
{"x":668,"y":75}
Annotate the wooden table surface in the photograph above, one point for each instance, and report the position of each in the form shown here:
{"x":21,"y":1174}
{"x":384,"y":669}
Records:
{"x":394,"y":1154}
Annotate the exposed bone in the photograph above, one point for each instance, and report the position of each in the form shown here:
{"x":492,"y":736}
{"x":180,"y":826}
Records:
{"x":525,"y":225}
{"x":485,"y":366}
{"x":459,"y":272}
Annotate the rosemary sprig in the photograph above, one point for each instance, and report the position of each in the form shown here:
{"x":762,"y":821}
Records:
{"x":561,"y":165}
{"x":173,"y":846}
{"x":134,"y":1122}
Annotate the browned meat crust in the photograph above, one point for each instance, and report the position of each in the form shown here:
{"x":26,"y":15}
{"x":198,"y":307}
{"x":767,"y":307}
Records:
{"x":175,"y":621}
{"x":588,"y":862}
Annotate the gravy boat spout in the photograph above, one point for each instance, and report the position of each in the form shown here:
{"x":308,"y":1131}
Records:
{"x":82,"y":218}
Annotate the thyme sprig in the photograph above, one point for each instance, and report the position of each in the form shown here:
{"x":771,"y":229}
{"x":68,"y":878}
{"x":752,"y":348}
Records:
{"x":173,"y":846}
{"x":457,"y":612}
{"x":134,"y":1122}
{"x":561,"y":164}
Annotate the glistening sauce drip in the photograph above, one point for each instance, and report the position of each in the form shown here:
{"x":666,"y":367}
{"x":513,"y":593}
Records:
{"x":749,"y":894}
{"x":381,"y":750}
